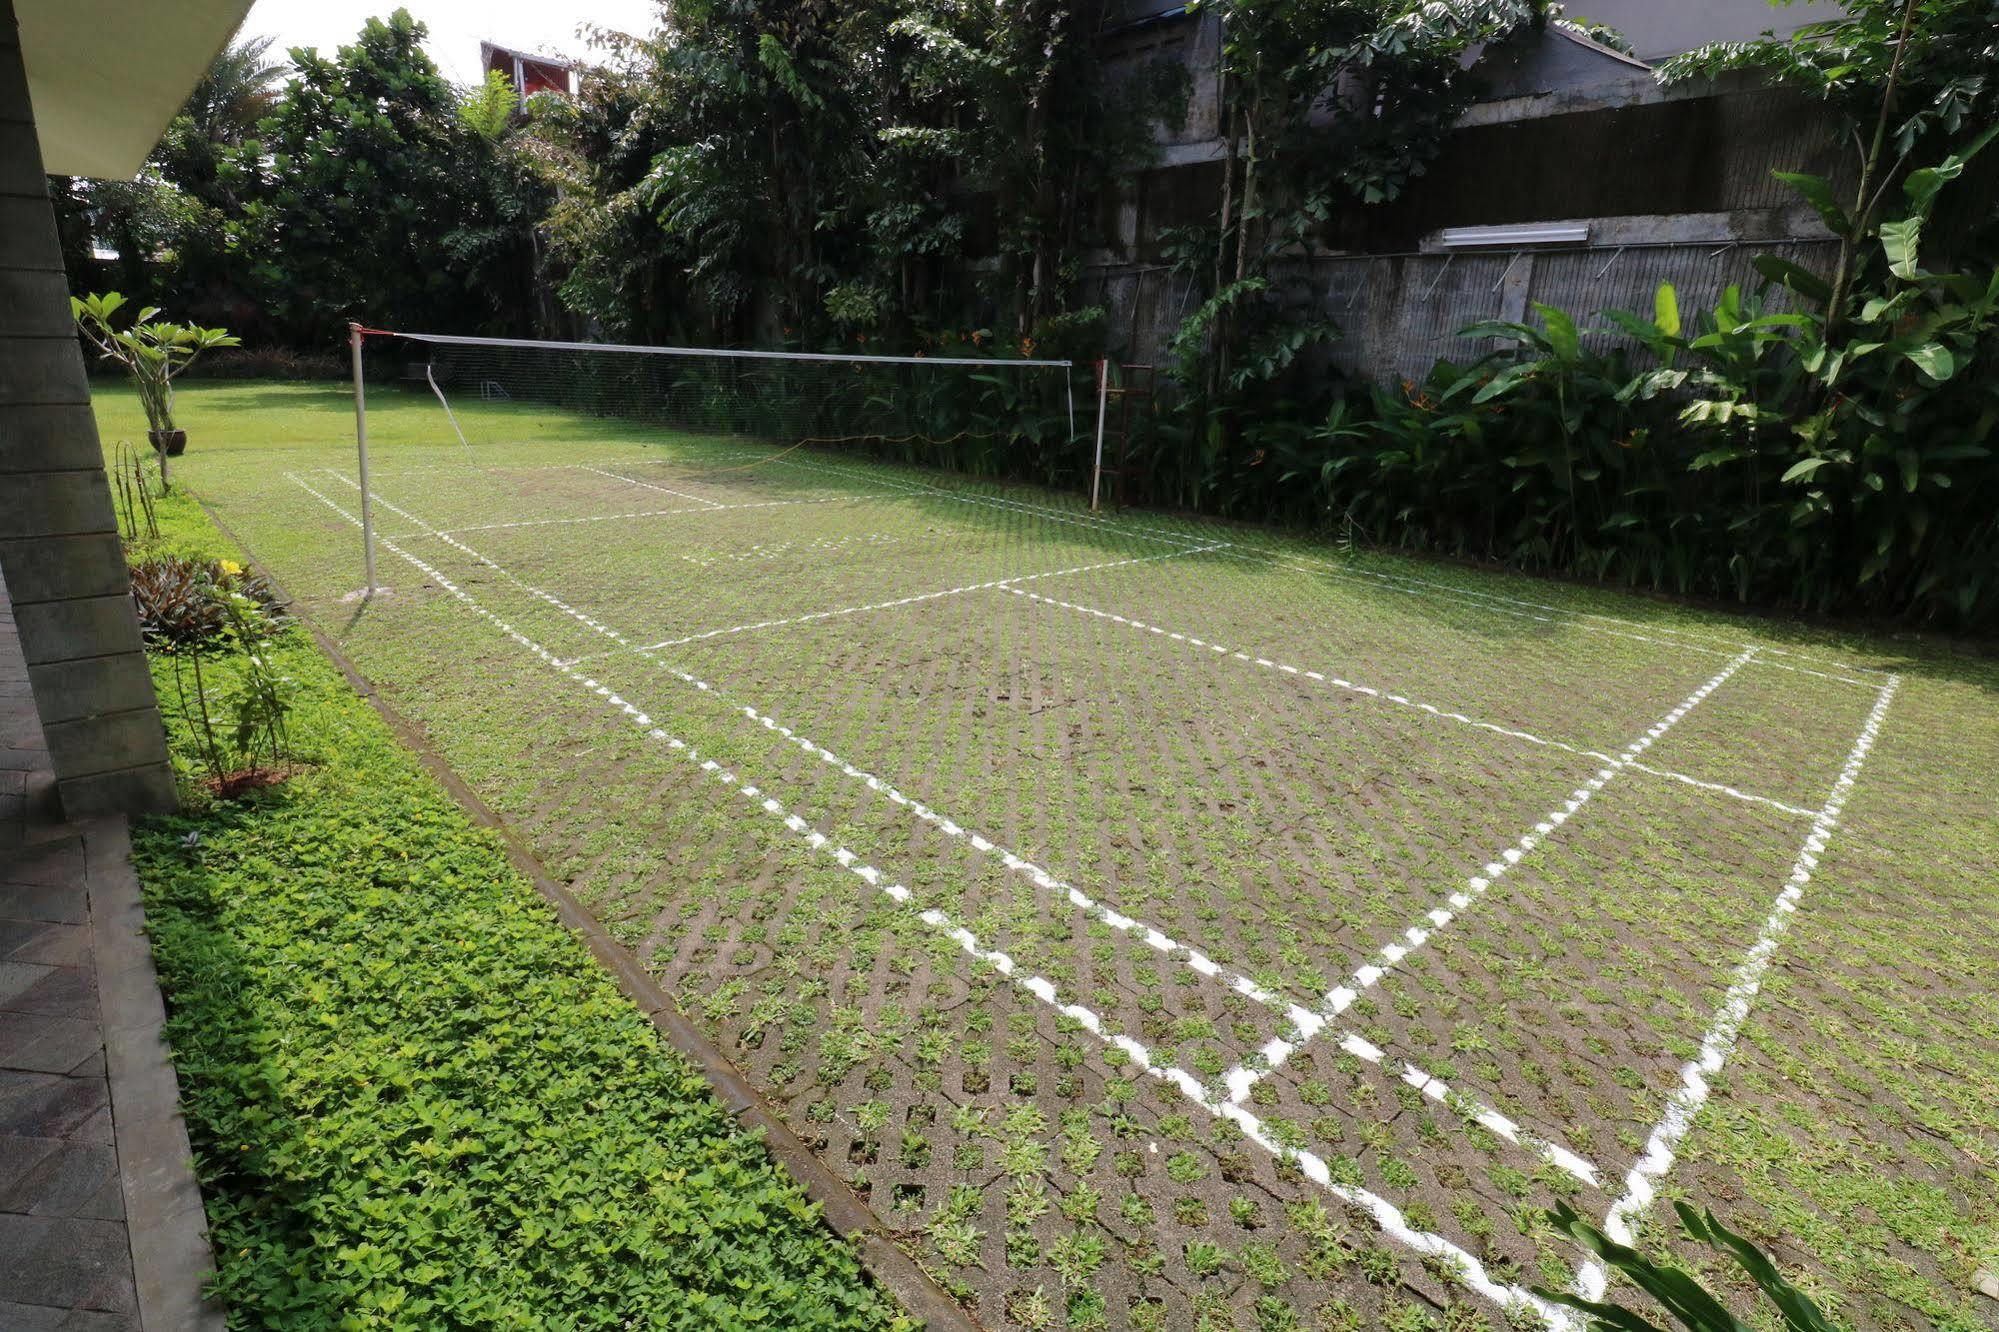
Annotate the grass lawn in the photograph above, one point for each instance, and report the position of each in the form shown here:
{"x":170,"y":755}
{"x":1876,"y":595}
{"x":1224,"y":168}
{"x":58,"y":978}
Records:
{"x":1160,"y":921}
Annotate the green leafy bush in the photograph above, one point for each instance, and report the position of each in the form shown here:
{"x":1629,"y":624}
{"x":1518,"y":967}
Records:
{"x":184,"y":602}
{"x":1691,"y":1306}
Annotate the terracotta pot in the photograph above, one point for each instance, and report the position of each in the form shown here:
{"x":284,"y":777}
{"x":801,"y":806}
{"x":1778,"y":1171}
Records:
{"x":174,"y":441}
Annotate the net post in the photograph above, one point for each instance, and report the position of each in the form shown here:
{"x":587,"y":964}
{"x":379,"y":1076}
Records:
{"x":361,"y":450}
{"x":1103,"y":400}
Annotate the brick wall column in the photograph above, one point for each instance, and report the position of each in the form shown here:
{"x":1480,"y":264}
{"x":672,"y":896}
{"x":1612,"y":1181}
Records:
{"x":59,"y":548}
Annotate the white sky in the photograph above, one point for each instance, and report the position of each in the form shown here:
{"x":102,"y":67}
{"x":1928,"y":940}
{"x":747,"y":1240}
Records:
{"x":456,"y":26}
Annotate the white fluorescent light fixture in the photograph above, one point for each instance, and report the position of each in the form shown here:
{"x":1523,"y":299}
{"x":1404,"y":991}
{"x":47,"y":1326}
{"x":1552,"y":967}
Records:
{"x":1512,"y":238}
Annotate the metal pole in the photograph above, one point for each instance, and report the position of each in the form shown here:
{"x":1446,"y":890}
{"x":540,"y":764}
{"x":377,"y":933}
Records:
{"x":361,"y":447}
{"x":1103,"y":401}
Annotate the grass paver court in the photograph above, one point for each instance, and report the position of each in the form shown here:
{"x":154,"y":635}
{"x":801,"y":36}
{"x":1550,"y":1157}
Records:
{"x":1158,"y":921}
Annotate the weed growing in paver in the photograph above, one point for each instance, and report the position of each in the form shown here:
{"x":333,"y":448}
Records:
{"x":1281,"y":829}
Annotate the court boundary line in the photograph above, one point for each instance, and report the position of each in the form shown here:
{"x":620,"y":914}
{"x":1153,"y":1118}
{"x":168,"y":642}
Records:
{"x":1196,"y":960}
{"x":1391,"y":955}
{"x":1686,"y":1101}
{"x":1401,"y":700}
{"x":1388,"y":1218}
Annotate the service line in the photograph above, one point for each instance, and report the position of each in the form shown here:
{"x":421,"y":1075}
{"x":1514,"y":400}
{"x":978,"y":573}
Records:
{"x":1684,"y":1105}
{"x":1413,"y":586}
{"x":664,"y":490}
{"x":1400,"y":700}
{"x":888,"y":605}
{"x":1469,"y":1270}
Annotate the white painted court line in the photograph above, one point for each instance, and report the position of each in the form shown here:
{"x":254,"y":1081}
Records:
{"x":770,"y":550}
{"x":664,"y":490}
{"x":1533,"y":610}
{"x":1304,"y":1022}
{"x":918,"y":599}
{"x":1426,"y":587}
{"x":1684,"y":1105}
{"x":1437,"y":918}
{"x":652,"y":513}
{"x":1723,"y":789}
{"x":1388,"y":696}
{"x":1016,"y":506}
{"x":453,"y":541}
{"x":1386,"y":1215}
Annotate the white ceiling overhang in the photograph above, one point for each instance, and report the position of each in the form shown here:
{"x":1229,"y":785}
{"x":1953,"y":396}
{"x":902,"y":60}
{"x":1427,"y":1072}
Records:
{"x":105,"y":77}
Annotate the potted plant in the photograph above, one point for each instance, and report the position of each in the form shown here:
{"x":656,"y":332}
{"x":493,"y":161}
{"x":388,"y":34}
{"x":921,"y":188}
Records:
{"x":153,"y":353}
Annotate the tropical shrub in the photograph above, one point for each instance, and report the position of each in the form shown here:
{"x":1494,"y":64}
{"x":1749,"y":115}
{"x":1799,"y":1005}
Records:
{"x":185,"y":603}
{"x":153,"y":352}
{"x":1691,"y":1306}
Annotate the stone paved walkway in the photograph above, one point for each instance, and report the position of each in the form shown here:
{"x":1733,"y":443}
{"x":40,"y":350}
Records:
{"x":100,"y":1221}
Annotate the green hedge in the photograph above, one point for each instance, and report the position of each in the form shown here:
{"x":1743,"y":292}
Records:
{"x":415,"y":1099}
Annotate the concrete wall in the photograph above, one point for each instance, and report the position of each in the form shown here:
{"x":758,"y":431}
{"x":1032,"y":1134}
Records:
{"x":1674,"y":185}
{"x":1399,"y":314}
{"x":59,"y":549}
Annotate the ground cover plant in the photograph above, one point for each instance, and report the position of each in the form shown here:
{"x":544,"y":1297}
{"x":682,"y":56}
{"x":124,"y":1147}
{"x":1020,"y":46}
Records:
{"x":1167,"y":923}
{"x":415,"y":1100}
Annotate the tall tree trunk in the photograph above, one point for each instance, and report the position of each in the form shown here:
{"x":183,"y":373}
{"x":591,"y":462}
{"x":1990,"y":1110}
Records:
{"x":1865,"y":201}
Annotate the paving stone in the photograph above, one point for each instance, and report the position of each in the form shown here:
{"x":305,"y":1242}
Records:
{"x":61,"y":903}
{"x":50,"y":943}
{"x":69,"y":1168}
{"x":41,"y":1105}
{"x":27,"y":987}
{"x":55,"y":864}
{"x":64,"y":1261}
{"x":20,"y":1156}
{"x":16,"y":758}
{"x":48,"y":1177}
{"x":40,"y":1317}
{"x":31,"y":1317}
{"x":36,"y":1043}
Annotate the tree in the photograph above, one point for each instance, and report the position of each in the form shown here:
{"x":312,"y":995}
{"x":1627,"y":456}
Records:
{"x":366,"y":194}
{"x":1328,"y":106}
{"x":1909,"y":79}
{"x":488,"y":109}
{"x":819,"y":171}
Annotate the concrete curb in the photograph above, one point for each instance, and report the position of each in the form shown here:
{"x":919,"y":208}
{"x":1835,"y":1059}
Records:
{"x":171,"y":1258}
